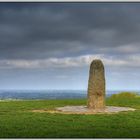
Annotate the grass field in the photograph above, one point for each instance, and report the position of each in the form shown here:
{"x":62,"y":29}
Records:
{"x":17,"y":120}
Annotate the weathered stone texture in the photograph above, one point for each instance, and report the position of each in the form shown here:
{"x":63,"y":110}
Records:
{"x":96,"y":85}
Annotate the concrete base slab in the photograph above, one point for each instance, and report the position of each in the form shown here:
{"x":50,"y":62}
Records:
{"x":85,"y":110}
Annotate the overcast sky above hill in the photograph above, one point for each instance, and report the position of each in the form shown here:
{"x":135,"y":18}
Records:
{"x":50,"y":45}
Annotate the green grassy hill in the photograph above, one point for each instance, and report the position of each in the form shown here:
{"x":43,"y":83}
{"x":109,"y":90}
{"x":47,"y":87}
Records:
{"x":17,"y":120}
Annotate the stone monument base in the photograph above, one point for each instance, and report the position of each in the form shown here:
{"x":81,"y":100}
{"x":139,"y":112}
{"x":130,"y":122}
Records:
{"x":85,"y":110}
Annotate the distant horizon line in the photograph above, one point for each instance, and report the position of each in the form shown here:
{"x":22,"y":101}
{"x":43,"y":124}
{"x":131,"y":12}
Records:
{"x":68,"y":89}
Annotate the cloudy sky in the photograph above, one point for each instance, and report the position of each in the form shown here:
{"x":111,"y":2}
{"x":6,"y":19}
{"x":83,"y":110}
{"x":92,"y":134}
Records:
{"x":51,"y":45}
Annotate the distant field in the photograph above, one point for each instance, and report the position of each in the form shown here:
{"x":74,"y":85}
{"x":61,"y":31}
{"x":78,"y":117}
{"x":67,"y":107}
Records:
{"x":17,"y":120}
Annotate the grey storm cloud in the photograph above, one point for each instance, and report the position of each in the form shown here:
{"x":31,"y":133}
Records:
{"x":44,"y":30}
{"x":51,"y":45}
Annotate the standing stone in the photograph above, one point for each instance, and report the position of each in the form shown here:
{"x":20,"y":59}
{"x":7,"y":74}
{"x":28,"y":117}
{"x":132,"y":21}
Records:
{"x":96,"y":85}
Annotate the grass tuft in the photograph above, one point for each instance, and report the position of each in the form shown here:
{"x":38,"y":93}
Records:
{"x":124,"y":95}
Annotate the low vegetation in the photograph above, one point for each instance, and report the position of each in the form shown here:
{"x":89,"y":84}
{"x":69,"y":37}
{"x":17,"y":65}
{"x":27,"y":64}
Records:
{"x":124,"y":95}
{"x":17,"y":120}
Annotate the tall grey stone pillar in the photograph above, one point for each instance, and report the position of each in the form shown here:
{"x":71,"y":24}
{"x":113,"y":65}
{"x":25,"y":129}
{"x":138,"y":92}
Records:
{"x":96,"y":85}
